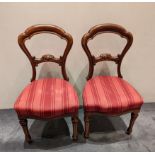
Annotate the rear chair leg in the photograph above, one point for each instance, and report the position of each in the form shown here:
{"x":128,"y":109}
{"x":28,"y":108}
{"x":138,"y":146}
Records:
{"x":23,"y":123}
{"x":134,"y":115}
{"x":75,"y":127}
{"x":86,"y":120}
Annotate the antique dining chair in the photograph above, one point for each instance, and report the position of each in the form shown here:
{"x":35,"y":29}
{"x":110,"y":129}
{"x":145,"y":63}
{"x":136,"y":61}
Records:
{"x":47,"y":98}
{"x":109,"y":95}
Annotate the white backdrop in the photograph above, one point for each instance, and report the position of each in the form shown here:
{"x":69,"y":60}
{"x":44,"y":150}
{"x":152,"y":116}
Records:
{"x":138,"y":66}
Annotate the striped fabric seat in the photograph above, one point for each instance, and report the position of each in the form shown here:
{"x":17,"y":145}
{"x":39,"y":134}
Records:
{"x":47,"y":98}
{"x":111,"y":95}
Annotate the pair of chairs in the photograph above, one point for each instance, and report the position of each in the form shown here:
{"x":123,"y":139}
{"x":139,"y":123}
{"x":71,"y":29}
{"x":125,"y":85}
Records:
{"x":49,"y":98}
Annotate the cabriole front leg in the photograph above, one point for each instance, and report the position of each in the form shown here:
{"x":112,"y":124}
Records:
{"x":23,"y":123}
{"x":134,"y":116}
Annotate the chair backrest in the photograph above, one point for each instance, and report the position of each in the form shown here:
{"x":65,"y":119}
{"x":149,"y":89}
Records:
{"x":106,"y":28}
{"x":37,"y":29}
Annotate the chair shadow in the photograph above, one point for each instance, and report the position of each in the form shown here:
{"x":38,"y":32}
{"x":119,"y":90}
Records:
{"x":52,"y":134}
{"x":50,"y":70}
{"x":107,"y":129}
{"x":101,"y":69}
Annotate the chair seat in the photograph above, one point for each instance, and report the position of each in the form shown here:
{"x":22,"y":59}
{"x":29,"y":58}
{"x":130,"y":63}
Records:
{"x":110,"y":94}
{"x":47,"y":98}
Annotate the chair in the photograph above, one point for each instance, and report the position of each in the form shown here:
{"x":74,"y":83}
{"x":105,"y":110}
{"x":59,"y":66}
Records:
{"x":47,"y":98}
{"x":109,"y":95}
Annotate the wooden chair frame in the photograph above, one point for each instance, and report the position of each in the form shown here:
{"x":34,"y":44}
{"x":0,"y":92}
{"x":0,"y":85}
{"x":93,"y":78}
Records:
{"x":122,"y":32}
{"x":38,"y":29}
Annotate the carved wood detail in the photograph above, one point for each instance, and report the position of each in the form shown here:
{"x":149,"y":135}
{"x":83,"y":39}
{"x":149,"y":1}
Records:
{"x":106,"y":28}
{"x":47,"y":58}
{"x":52,"y":29}
{"x":106,"y":57}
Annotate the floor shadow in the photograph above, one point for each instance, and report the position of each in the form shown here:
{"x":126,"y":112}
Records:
{"x":107,"y":129}
{"x":55,"y":128}
{"x":142,"y":139}
{"x":52,"y":134}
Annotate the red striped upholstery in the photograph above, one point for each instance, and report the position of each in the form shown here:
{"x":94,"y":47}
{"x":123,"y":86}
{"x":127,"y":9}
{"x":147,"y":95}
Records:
{"x":46,"y":98}
{"x":110,"y":94}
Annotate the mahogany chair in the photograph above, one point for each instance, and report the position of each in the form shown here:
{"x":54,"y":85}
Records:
{"x":109,"y":95}
{"x":47,"y":98}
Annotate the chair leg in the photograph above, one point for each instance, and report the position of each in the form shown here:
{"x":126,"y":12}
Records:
{"x":75,"y":127}
{"x":134,"y":115}
{"x":86,"y":120}
{"x":23,"y":123}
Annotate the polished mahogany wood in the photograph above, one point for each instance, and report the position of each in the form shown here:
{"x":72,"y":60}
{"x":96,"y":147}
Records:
{"x":23,"y":123}
{"x":37,"y":29}
{"x":106,"y":28}
{"x":52,"y":29}
{"x":134,"y":116}
{"x":75,"y":126}
{"x":122,"y":32}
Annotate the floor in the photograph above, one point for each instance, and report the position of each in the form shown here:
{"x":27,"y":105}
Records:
{"x":107,"y":133}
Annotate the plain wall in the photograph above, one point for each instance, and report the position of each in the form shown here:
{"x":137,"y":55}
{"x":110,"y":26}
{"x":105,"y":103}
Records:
{"x":138,"y":66}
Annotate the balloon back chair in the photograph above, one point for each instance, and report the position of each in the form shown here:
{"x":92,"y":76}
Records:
{"x":109,"y":95}
{"x":46,"y":98}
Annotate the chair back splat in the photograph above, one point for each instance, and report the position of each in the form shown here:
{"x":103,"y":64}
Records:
{"x":106,"y":28}
{"x":37,"y":29}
